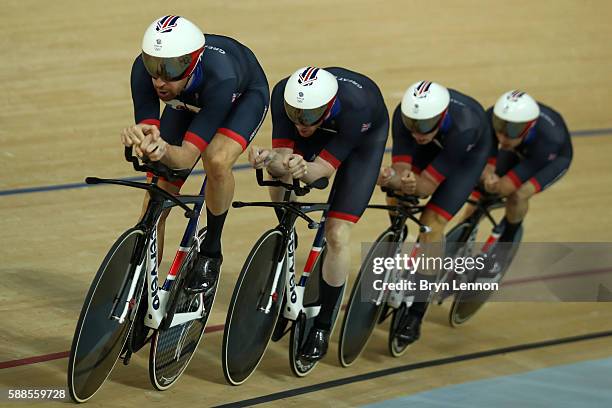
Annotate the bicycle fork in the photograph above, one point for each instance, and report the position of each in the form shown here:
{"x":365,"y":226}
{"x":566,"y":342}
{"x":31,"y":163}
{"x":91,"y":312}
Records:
{"x":130,"y":299}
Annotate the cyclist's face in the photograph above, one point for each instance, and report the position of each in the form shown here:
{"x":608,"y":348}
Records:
{"x":506,"y":143}
{"x":307,"y":131}
{"x":168,"y":90}
{"x":424,"y":138}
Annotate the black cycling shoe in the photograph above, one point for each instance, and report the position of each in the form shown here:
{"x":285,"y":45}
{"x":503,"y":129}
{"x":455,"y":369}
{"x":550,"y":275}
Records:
{"x":410,"y":331}
{"x":316,"y":345}
{"x":494,"y":264}
{"x":204,"y":275}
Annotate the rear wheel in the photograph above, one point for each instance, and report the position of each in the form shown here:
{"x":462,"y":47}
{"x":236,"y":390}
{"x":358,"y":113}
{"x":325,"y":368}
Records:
{"x":172,"y":348}
{"x":99,"y":338}
{"x":248,"y":329}
{"x":396,"y":348}
{"x":466,"y":304}
{"x":361,"y":314}
{"x":299,"y":330}
{"x":302,"y":326}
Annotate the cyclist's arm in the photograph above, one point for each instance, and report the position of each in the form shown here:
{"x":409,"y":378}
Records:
{"x":425,"y":185}
{"x":540,"y":157}
{"x":399,"y":168}
{"x":275,"y":169}
{"x":181,"y":157}
{"x":317,"y":169}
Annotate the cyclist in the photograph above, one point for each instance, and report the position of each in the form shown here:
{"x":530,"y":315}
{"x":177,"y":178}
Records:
{"x":532,"y":150}
{"x":327,"y":121}
{"x":216,"y":97}
{"x":440,"y":145}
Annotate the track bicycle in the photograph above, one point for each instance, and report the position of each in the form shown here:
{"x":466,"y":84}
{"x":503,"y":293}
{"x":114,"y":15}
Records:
{"x":126,"y":306}
{"x":268,"y":284}
{"x":461,"y":242}
{"x":368,"y":307}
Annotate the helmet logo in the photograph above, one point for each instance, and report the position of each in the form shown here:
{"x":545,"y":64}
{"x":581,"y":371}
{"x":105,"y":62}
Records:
{"x":515,"y":96}
{"x":415,"y":108}
{"x":166,"y":24}
{"x":308,"y":76}
{"x":158,"y":45}
{"x":422,"y":90}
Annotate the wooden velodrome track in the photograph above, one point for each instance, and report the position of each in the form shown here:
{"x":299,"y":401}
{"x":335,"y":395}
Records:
{"x":65,"y":96}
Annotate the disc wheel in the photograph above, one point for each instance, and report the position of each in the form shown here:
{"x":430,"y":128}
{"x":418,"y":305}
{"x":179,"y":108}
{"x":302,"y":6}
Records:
{"x":99,"y":338}
{"x":248,"y":328}
{"x":362,"y":313}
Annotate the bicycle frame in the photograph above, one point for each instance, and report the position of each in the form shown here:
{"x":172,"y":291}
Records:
{"x":157,"y":295}
{"x":484,"y":206}
{"x":394,"y":298}
{"x":295,"y":292}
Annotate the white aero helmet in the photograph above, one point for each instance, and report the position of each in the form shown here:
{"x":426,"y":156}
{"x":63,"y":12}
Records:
{"x":309,"y":95}
{"x":514,"y":114}
{"x":424,"y":105}
{"x":171,"y":48}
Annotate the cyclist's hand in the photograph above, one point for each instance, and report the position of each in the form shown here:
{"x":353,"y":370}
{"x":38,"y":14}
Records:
{"x":295,"y":165}
{"x":408,"y":182}
{"x":153,"y":146}
{"x":386,"y":173}
{"x":491,"y":183}
{"x":135,"y":134}
{"x":260,"y":158}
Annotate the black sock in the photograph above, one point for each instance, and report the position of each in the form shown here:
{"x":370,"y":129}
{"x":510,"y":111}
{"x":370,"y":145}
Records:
{"x":328,"y":297}
{"x":509,"y":230}
{"x":418,"y":309}
{"x":211,"y":246}
{"x":421,"y":301}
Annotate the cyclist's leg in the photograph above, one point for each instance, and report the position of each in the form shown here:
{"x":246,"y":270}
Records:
{"x":231,"y":139}
{"x":446,"y":201}
{"x":219,"y":156}
{"x":349,"y":197}
{"x":517,"y":204}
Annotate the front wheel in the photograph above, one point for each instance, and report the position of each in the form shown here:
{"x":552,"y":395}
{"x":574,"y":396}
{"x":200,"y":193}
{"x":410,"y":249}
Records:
{"x":362,"y":314}
{"x":172,"y":348}
{"x":99,"y":337}
{"x":248,"y":327}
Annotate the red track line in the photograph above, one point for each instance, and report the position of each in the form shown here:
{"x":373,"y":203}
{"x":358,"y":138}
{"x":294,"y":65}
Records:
{"x":557,"y":276}
{"x":33,"y":360}
{"x":64,"y":354}
{"x":219,"y":327}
